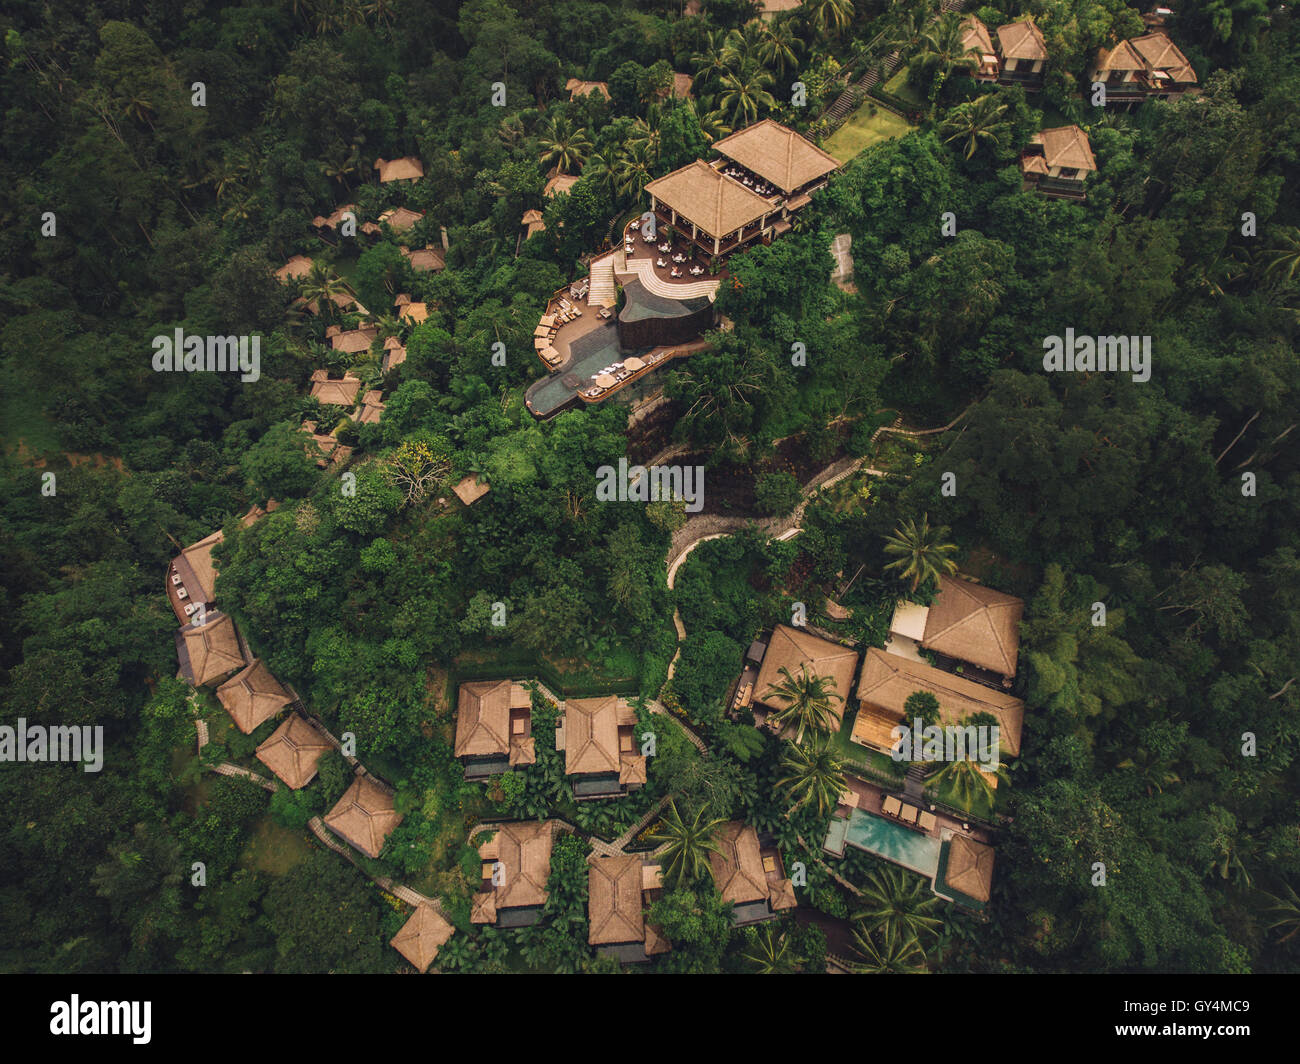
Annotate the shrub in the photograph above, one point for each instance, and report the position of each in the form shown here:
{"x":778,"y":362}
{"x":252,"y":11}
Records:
{"x":777,"y":494}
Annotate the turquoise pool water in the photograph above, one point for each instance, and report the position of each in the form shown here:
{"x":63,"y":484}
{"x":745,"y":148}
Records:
{"x":914,"y":851}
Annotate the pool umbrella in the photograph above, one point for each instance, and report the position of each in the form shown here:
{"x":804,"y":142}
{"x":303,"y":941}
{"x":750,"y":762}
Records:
{"x":634,"y":364}
{"x":606,"y":380}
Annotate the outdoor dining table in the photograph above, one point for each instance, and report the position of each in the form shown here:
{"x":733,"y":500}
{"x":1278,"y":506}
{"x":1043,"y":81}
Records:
{"x":665,"y":248}
{"x":661,"y":262}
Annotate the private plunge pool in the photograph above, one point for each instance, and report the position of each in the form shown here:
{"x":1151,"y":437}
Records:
{"x":912,"y":850}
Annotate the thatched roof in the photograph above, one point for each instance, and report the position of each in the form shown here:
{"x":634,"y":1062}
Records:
{"x":577,"y":87}
{"x":1161,"y":54}
{"x":975,"y":36}
{"x":558,"y":184}
{"x":470,"y":490}
{"x":887,"y":680}
{"x":253,"y":696}
{"x":293,"y":751}
{"x":591,"y":735}
{"x":337,"y":392}
{"x":1122,"y":57}
{"x":416,"y":312}
{"x":408,"y":168}
{"x":797,"y":649}
{"x":970,"y":867}
{"x":332,"y":221}
{"x":781,"y":896}
{"x":209,"y":651}
{"x":524,"y":850}
{"x":523,"y":751}
{"x":298,"y":266}
{"x":632,"y":769}
{"x":1066,"y":146}
{"x":428,"y":259}
{"x":614,"y":905}
{"x":1021,"y":40}
{"x":353,"y":340}
{"x":256,"y":513}
{"x":364,"y":816}
{"x":738,"y":864}
{"x":777,"y":154}
{"x":655,"y":942}
{"x":197,"y":570}
{"x":975,"y":623}
{"x":682,"y":85}
{"x":400,"y":219}
{"x":483,"y":716}
{"x":422,"y":936}
{"x":717,"y":204}
{"x":371,"y":408}
{"x":483,"y":909}
{"x":531,"y":216}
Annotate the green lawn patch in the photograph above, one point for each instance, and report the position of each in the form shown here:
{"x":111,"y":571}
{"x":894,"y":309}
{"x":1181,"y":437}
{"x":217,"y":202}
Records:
{"x":898,"y":86}
{"x":275,"y":849}
{"x":863,"y":130}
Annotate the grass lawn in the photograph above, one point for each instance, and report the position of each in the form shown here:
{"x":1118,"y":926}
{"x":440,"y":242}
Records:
{"x":863,"y":130}
{"x":898,"y":86}
{"x":275,"y":849}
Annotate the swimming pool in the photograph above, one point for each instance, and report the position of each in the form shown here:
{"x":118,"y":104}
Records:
{"x":912,"y":850}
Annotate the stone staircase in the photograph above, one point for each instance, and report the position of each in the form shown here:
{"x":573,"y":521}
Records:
{"x":851,"y":98}
{"x":601,"y":290}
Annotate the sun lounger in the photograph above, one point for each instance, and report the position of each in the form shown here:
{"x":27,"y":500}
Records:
{"x":908,"y":814}
{"x":891,"y":806}
{"x":926,"y":821}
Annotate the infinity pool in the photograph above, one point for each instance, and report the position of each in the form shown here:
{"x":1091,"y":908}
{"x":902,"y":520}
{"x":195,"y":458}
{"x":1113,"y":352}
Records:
{"x":912,"y":850}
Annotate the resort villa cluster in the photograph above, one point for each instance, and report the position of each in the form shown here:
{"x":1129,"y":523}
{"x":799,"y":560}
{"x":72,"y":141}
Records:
{"x":962,"y":649}
{"x":1058,"y":160}
{"x":669,"y":264}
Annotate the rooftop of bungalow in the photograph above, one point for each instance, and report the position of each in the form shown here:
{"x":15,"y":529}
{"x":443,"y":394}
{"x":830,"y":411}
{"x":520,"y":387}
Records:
{"x":420,"y":938}
{"x":253,"y":696}
{"x":887,"y":680}
{"x":400,"y":219}
{"x":471,"y":489}
{"x":336,"y":391}
{"x":297,"y":267}
{"x":407,"y":168}
{"x":559,"y":183}
{"x":519,"y":855}
{"x":797,"y":650}
{"x":748,"y":875}
{"x":1022,"y":40}
{"x":576,"y":87}
{"x":371,"y":409}
{"x":293,"y":751}
{"x":597,"y":736}
{"x":428,"y":259}
{"x":494,"y":727}
{"x":364,"y":817}
{"x":618,"y":891}
{"x":326,"y":450}
{"x":352,"y":341}
{"x":210,"y":651}
{"x":975,"y":624}
{"x":192,"y":576}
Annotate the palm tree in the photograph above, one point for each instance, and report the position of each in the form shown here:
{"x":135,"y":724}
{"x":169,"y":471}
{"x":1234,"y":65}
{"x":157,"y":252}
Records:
{"x":884,"y":953}
{"x":744,"y":46}
{"x":829,"y":17}
{"x":710,"y":61}
{"x":745,"y":93}
{"x":808,"y":703}
{"x":1282,"y":263}
{"x":899,"y":904}
{"x":908,"y":30}
{"x":1287,"y":910}
{"x":320,"y":286}
{"x":713,"y":124}
{"x":633,"y":171}
{"x":602,"y":171}
{"x":685,"y":857}
{"x":564,"y":146}
{"x":970,"y":781}
{"x":923,"y":556}
{"x":943,"y":50}
{"x":770,"y":952}
{"x":648,"y":132}
{"x":780,"y":46}
{"x":978,"y":121}
{"x":814,"y":774}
